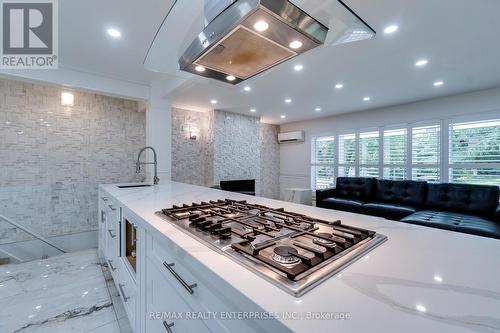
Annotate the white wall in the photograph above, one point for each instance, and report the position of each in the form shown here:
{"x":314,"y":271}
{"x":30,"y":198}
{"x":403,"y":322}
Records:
{"x":295,"y":157}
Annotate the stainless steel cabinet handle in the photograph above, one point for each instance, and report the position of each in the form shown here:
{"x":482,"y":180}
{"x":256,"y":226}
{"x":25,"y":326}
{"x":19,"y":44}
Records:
{"x":125,"y":298}
{"x":111,"y":266}
{"x":111,"y":233}
{"x":112,"y":207}
{"x":167,"y":326}
{"x":188,"y":287}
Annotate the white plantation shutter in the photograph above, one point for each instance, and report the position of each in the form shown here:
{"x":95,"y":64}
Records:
{"x":475,"y":152}
{"x":369,"y":154}
{"x":322,"y":162}
{"x":395,"y":154}
{"x":347,"y":155}
{"x":426,"y":155}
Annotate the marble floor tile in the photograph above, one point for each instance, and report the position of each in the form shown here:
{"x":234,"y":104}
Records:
{"x":66,"y":293}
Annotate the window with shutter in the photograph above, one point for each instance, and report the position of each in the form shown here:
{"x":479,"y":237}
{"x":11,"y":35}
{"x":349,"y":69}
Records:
{"x":475,"y":152}
{"x":426,"y":155}
{"x":395,"y":154}
{"x":369,"y":154}
{"x":347,"y":155}
{"x":322,"y":162}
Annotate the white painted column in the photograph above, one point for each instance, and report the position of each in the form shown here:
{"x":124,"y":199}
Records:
{"x":158,"y":130}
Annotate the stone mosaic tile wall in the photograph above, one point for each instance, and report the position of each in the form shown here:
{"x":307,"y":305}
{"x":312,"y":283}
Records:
{"x":236,"y":147}
{"x":52,"y":158}
{"x":229,"y":146}
{"x":269,"y":161}
{"x":190,"y":157}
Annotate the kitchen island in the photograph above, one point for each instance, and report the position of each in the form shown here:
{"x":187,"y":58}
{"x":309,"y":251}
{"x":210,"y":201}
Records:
{"x":419,"y":280}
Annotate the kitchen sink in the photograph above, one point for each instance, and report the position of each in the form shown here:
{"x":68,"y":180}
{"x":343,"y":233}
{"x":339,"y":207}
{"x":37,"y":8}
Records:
{"x":133,"y":186}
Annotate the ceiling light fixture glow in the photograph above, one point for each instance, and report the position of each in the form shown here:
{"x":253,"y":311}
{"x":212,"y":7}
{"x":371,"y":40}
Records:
{"x":230,"y":78}
{"x":213,"y":101}
{"x":339,"y":86}
{"x":114,"y":33}
{"x":253,"y":110}
{"x":247,"y":88}
{"x":298,"y":67}
{"x":288,"y":100}
{"x":421,"y":308}
{"x":438,"y":83}
{"x":366,"y":99}
{"x":200,"y":68}
{"x":391,"y":29}
{"x":282,"y":116}
{"x":296,"y":44}
{"x":421,"y":62}
{"x":261,"y":26}
{"x":317,"y":109}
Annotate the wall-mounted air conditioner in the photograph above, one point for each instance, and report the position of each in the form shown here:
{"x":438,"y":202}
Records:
{"x":298,"y":136}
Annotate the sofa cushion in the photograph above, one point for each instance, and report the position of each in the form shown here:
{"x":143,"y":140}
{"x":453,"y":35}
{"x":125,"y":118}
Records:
{"x":406,"y":192}
{"x":348,"y":205}
{"x":470,"y":199}
{"x":468,"y":224}
{"x":389,"y":211}
{"x":355,"y":187}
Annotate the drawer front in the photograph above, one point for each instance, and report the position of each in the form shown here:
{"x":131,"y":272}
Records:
{"x":166,"y":307}
{"x":112,"y":235}
{"x":211,"y":293}
{"x":128,"y":293}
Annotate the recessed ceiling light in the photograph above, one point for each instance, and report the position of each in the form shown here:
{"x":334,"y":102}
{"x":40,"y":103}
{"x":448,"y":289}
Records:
{"x":317,"y":109}
{"x":438,"y":83}
{"x":421,"y":308}
{"x":366,"y":99}
{"x":391,"y":29}
{"x":261,"y":26}
{"x":288,"y":100}
{"x":339,"y":86}
{"x":200,"y":68}
{"x":114,"y":33}
{"x":230,"y":78}
{"x":253,"y":110}
{"x":421,"y":62}
{"x":282,"y":116}
{"x":247,"y":88}
{"x":298,"y":67}
{"x":438,"y":278}
{"x":213,"y":101}
{"x":296,"y":44}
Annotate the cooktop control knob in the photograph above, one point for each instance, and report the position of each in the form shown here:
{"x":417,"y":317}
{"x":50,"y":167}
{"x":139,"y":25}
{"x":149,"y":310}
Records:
{"x":198,"y":220}
{"x":225,"y":233}
{"x":205,"y":224}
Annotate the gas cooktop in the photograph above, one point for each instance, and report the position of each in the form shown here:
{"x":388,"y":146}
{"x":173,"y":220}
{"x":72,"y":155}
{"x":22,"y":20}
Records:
{"x":293,"y":251}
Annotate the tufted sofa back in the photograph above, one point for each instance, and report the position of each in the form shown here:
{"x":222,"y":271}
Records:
{"x":355,"y":187}
{"x":406,"y":192}
{"x":469,"y":199}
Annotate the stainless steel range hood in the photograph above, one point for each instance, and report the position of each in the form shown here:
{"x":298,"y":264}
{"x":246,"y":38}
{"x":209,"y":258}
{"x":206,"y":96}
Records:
{"x":246,"y":37}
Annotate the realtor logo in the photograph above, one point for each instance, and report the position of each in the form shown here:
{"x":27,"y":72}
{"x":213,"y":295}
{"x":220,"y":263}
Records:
{"x":29,"y":34}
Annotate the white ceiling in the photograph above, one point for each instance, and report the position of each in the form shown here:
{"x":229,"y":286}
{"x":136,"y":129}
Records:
{"x":458,"y":37}
{"x":85,"y":46}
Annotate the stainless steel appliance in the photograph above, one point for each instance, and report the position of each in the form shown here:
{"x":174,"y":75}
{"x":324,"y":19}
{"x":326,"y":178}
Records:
{"x":293,"y":251}
{"x":243,"y":38}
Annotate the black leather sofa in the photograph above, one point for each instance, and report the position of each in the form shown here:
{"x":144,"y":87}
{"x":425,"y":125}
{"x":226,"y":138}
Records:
{"x":471,"y":209}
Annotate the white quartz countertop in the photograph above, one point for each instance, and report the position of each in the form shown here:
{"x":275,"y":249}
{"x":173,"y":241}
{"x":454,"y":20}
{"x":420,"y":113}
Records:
{"x":420,"y":280}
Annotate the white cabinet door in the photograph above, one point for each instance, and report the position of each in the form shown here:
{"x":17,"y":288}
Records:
{"x":167,"y":311}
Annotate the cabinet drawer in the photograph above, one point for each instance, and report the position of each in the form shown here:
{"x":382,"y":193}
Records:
{"x":168,"y":306}
{"x":211,"y":294}
{"x":128,"y":293}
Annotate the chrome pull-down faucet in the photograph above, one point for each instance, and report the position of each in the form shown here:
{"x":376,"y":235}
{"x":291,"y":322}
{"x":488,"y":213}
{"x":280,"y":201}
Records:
{"x":139,"y":163}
